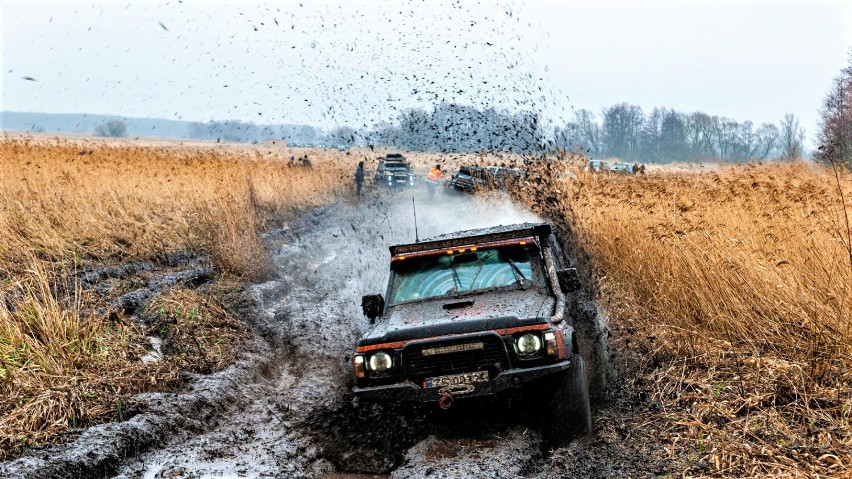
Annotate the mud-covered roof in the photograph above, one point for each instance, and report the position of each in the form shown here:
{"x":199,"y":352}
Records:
{"x":475,"y":236}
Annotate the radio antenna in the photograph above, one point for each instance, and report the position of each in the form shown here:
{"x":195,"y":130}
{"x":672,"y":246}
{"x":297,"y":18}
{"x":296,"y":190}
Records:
{"x":414,"y":207}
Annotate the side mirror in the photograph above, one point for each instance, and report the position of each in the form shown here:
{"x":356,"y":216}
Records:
{"x":569,"y":280}
{"x":372,"y":305}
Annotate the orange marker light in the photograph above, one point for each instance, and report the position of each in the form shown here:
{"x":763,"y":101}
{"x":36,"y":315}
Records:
{"x":358,"y":366}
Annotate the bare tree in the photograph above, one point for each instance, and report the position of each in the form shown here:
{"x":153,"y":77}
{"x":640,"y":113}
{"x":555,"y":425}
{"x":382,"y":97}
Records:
{"x":767,"y":140}
{"x":835,"y":133}
{"x":792,"y":137}
{"x":724,"y":135}
{"x":673,"y":136}
{"x":620,"y":132}
{"x":699,"y":133}
{"x":588,"y":130}
{"x":114,"y":128}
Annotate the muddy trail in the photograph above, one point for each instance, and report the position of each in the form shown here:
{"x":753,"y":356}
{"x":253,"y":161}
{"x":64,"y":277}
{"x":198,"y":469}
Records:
{"x":284,"y":409}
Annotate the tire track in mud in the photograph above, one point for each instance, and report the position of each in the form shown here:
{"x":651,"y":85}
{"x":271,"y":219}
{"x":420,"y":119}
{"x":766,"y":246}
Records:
{"x":297,"y":421}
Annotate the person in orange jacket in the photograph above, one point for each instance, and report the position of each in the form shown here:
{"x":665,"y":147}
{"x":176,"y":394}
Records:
{"x":433,"y":178}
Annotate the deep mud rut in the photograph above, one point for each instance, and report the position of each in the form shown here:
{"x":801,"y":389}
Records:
{"x":293,"y":418}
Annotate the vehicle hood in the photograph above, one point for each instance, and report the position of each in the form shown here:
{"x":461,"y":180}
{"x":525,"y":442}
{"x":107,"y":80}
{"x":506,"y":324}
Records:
{"x":489,"y":311}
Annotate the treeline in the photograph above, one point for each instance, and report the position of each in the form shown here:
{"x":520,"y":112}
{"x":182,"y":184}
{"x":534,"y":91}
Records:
{"x":238,"y":131}
{"x":665,"y":135}
{"x":455,"y":128}
{"x":622,"y":130}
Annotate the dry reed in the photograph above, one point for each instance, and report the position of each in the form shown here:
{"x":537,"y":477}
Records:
{"x":65,"y":205}
{"x":738,"y":284}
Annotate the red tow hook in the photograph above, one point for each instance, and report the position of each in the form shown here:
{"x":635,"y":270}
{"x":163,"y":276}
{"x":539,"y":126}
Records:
{"x":445,"y":401}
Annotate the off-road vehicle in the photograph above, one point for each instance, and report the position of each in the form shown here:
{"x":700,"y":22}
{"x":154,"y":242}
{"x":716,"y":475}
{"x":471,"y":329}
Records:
{"x":468,"y":180}
{"x":394,"y":171}
{"x":478,"y":313}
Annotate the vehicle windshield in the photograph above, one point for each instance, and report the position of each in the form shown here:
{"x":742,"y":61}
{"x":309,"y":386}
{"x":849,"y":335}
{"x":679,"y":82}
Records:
{"x":420,"y":278}
{"x":396,"y":166}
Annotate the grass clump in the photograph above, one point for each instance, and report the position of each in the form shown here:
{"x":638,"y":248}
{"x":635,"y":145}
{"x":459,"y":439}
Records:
{"x":197,"y":332}
{"x":63,"y":365}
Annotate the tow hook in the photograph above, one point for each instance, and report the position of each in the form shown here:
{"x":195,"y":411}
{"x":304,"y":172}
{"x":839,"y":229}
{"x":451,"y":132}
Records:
{"x":445,"y":401}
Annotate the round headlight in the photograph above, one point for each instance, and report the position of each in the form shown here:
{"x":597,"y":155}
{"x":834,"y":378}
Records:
{"x":380,"y":362}
{"x":528,"y":344}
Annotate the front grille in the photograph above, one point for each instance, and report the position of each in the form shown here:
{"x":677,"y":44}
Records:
{"x":417,"y":366}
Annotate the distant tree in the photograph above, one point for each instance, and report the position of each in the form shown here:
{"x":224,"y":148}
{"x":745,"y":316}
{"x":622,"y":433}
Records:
{"x":699,"y":133}
{"x":620,"y":131}
{"x":342,"y":136}
{"x":767,"y":141}
{"x":724,"y":135}
{"x":835,"y":128}
{"x":588,"y":131}
{"x":114,"y":128}
{"x":791,"y":138}
{"x":673,"y":141}
{"x":649,"y":136}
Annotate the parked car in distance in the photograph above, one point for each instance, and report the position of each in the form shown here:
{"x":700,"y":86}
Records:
{"x":621,"y":168}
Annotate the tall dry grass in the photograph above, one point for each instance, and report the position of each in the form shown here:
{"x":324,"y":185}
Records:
{"x":65,"y":205}
{"x":738,"y":285}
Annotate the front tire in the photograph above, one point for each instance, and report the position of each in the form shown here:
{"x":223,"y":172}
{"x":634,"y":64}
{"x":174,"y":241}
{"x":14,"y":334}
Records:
{"x":566,"y":398}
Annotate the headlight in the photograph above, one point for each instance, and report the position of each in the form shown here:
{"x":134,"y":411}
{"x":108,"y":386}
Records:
{"x":527,"y":344}
{"x":380,"y":362}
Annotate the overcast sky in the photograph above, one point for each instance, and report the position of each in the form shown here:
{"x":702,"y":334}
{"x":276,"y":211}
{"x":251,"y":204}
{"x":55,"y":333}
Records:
{"x":358,"y":63}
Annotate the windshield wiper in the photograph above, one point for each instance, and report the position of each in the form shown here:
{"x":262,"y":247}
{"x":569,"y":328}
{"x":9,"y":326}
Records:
{"x":517,"y":272}
{"x":456,"y":280}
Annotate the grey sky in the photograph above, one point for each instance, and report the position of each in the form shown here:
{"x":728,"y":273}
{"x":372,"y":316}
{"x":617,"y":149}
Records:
{"x":328,"y":63}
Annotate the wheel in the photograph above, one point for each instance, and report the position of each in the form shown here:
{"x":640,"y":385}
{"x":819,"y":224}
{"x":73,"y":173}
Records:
{"x":569,"y":413}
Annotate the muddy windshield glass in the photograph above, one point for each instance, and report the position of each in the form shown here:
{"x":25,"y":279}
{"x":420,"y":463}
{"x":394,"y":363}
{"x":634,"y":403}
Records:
{"x":396,"y":166}
{"x":427,"y":277}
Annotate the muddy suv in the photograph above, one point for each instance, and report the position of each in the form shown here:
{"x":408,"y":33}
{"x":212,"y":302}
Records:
{"x":394,"y":171}
{"x":474,"y":314}
{"x":469,"y":179}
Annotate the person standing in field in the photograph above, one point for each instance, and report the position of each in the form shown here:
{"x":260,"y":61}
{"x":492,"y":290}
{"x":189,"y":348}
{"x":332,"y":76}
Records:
{"x":359,"y":179}
{"x":433,"y":178}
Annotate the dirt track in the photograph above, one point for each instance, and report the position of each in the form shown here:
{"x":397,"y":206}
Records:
{"x":284,"y":411}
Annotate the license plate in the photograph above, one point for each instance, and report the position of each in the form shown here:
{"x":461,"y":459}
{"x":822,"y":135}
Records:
{"x":455,"y":380}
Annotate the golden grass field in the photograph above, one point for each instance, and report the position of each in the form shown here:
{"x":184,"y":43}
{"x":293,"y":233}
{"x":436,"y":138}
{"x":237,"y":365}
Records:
{"x":67,"y":204}
{"x":735,"y":285}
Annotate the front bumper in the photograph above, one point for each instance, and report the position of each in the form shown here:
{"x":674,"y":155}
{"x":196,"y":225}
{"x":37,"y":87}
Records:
{"x":512,"y":379}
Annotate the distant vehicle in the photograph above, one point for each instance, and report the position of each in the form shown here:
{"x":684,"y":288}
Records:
{"x":598,"y":166}
{"x":342,"y":148}
{"x":468,"y":180}
{"x":621,"y":169}
{"x":394,"y":171}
